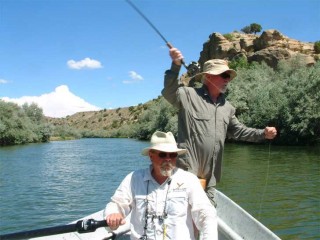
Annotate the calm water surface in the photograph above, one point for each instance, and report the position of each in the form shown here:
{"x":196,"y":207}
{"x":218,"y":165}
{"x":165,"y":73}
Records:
{"x":43,"y":185}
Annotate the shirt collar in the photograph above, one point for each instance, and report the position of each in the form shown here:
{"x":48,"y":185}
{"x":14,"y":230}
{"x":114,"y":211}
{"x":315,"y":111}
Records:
{"x":221,"y":98}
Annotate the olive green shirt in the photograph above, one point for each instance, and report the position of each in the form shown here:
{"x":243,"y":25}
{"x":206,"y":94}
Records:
{"x":203,"y":126}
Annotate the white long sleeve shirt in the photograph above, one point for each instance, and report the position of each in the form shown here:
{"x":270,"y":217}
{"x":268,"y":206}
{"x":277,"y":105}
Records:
{"x":172,"y":206}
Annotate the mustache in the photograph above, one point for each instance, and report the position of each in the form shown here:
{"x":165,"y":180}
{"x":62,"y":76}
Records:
{"x":167,"y":164}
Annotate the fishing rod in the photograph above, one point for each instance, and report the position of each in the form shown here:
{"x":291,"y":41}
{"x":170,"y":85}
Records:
{"x":82,"y":226}
{"x":193,"y":67}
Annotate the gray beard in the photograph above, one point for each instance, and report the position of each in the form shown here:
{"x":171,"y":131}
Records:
{"x":165,"y":171}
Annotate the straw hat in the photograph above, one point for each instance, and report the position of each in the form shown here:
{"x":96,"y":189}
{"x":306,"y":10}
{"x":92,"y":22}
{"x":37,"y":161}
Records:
{"x":216,"y":67}
{"x":164,"y":142}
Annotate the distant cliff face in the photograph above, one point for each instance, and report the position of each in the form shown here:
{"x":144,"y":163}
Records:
{"x":271,"y":47}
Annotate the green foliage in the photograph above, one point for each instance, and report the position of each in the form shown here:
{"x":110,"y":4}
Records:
{"x":19,"y":125}
{"x":240,"y":62}
{"x":229,"y":36}
{"x":159,"y":116}
{"x":317,"y":47}
{"x":287,"y":98}
{"x":246,"y":29}
{"x":64,"y":132}
{"x":253,"y":28}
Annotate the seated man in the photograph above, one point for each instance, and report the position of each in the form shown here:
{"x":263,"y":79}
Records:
{"x":163,"y":200}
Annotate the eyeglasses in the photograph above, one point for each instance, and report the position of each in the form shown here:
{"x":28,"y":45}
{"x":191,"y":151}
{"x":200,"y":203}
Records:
{"x":225,"y":75}
{"x":164,"y":155}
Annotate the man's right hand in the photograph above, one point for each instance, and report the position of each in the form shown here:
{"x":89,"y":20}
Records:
{"x":176,"y":56}
{"x":114,"y":220}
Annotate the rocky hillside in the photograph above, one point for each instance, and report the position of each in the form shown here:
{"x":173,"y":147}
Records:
{"x":105,"y":119}
{"x":271,"y":47}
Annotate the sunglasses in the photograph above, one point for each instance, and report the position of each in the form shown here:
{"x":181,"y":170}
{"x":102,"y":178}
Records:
{"x":225,"y":75}
{"x":164,"y":155}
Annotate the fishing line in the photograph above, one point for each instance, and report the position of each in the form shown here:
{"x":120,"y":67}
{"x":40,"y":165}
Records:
{"x":154,"y":28}
{"x":266,"y":181}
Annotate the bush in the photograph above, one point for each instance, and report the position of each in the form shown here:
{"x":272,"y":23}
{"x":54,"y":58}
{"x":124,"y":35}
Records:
{"x":287,"y":98}
{"x":317,"y":47}
{"x":229,"y":36}
{"x":253,"y":28}
{"x":19,"y":125}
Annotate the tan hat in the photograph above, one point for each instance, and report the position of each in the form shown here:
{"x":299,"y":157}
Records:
{"x":216,"y":67}
{"x":164,"y":142}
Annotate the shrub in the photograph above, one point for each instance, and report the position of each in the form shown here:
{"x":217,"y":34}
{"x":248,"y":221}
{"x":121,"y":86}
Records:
{"x":317,"y":47}
{"x":229,"y":36}
{"x":253,"y":28}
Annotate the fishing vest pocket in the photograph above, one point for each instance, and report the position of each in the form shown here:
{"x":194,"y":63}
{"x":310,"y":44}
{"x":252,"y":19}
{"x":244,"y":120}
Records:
{"x":177,"y":204}
{"x":203,"y":124}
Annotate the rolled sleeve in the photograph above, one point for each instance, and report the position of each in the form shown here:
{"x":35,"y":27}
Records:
{"x":121,"y":201}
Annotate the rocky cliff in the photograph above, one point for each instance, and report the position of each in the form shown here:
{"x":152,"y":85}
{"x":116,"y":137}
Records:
{"x":271,"y":47}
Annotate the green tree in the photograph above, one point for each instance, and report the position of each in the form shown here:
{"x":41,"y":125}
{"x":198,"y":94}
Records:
{"x":246,"y":29}
{"x":15,"y":126}
{"x":34,"y":112}
{"x":317,"y":47}
{"x":159,"y":116}
{"x":255,"y":27}
{"x":19,"y":125}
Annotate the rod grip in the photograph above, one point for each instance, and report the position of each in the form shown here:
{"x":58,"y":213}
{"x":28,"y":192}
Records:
{"x":169,"y":45}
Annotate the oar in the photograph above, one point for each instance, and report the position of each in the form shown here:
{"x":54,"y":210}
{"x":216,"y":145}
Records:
{"x":82,"y":226}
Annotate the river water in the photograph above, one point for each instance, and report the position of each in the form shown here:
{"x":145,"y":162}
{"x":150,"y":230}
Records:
{"x":49,"y":184}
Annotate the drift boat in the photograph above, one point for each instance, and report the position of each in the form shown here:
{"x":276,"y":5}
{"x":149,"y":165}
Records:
{"x":234,"y":223}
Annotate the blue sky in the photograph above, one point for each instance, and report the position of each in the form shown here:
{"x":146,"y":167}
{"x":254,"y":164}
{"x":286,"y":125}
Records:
{"x":78,"y":55}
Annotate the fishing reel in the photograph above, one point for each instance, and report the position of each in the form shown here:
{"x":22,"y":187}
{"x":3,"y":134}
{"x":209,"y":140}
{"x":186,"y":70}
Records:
{"x":193,"y":68}
{"x":187,"y":79}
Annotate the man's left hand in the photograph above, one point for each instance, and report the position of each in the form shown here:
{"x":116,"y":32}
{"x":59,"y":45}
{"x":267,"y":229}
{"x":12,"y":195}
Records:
{"x":270,"y":132}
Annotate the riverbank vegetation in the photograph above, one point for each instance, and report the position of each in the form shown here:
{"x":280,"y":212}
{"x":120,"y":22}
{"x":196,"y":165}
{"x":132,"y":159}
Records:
{"x":19,"y":125}
{"x":287,"y":97}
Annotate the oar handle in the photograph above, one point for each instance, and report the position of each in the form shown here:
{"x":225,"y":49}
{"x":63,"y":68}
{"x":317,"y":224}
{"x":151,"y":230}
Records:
{"x":82,"y":226}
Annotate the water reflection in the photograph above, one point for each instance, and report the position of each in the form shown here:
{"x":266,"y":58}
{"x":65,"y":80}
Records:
{"x":288,"y":180}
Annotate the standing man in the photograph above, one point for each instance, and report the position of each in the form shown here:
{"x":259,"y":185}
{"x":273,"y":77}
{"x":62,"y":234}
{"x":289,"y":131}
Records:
{"x":206,"y":118}
{"x":163,"y":200}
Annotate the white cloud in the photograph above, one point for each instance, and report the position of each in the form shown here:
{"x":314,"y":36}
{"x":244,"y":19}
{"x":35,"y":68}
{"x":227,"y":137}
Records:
{"x":84,"y":63}
{"x":135,"y":77}
{"x":59,"y":103}
{"x":3,"y":81}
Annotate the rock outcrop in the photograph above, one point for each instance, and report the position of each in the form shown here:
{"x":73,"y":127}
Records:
{"x":270,"y":47}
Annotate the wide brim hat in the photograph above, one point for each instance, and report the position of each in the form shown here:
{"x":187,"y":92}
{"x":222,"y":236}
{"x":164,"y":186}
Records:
{"x":216,"y":67}
{"x":163,"y":142}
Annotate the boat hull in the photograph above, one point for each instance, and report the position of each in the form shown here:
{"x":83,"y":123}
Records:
{"x":234,"y":223}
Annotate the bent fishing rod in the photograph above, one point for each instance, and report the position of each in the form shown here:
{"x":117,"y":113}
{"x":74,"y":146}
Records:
{"x":193,"y":67}
{"x":82,"y":226}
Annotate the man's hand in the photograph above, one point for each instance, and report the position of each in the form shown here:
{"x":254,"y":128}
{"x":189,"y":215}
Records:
{"x":176,"y":56}
{"x":114,"y":220}
{"x":270,"y":132}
